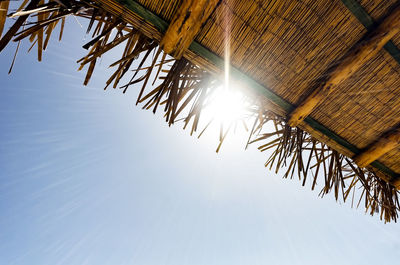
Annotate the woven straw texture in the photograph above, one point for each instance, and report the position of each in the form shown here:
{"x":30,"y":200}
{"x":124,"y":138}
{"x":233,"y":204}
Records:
{"x":288,"y":46}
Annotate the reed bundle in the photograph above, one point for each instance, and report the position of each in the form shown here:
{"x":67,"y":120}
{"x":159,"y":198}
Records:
{"x":182,"y":87}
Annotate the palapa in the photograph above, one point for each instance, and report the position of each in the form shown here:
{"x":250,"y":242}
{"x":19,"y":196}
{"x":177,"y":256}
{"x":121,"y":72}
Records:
{"x":329,"y":68}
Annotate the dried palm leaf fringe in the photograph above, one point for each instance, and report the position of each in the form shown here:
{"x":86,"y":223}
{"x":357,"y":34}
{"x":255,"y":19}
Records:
{"x":183,"y":90}
{"x":299,"y":154}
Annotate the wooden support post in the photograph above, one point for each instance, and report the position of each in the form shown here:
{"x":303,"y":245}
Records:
{"x":185,"y":25}
{"x":371,"y":44}
{"x":379,"y":148}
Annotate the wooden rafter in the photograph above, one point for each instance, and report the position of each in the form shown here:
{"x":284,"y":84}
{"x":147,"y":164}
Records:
{"x":363,"y":51}
{"x":185,"y":25}
{"x":378,"y":149}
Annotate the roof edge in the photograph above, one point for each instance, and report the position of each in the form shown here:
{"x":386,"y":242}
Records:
{"x":162,"y":25}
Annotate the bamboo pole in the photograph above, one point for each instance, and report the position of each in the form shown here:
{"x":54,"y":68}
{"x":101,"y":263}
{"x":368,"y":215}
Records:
{"x":185,"y":25}
{"x":378,"y":149}
{"x":355,"y":59}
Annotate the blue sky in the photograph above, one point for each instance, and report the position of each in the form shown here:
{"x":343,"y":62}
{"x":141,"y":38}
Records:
{"x":86,"y":177}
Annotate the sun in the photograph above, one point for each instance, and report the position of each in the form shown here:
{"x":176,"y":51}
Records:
{"x":226,"y":105}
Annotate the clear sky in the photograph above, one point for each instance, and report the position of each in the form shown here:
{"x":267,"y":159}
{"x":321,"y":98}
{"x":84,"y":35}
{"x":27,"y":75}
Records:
{"x":86,"y":177}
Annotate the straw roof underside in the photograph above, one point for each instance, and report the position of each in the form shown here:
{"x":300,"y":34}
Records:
{"x":289,"y":45}
{"x":188,"y":84}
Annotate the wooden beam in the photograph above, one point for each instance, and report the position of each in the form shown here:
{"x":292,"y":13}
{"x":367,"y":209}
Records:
{"x":371,"y":44}
{"x":185,"y":25}
{"x":368,"y":22}
{"x":378,"y":149}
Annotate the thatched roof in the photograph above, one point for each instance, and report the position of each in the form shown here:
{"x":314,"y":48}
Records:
{"x":326,"y":73}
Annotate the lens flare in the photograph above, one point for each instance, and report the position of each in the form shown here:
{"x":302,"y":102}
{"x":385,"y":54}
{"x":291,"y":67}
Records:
{"x":226,"y":105}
